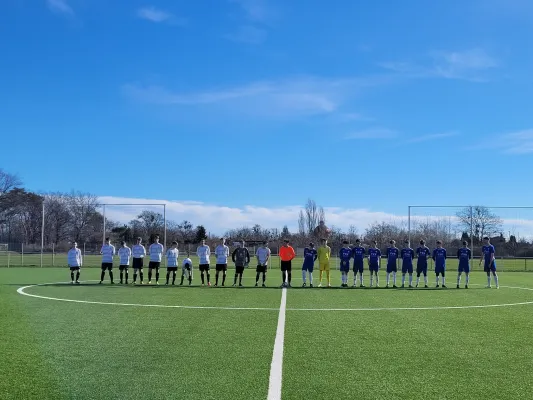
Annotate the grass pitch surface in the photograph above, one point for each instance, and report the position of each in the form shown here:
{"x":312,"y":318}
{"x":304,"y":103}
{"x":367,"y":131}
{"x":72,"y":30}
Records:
{"x":73,"y":350}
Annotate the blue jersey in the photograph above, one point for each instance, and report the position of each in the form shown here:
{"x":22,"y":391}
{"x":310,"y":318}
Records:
{"x":392,"y":255}
{"x":345,"y":254}
{"x":310,"y":256}
{"x":407,"y":256}
{"x":423,"y":253}
{"x":439,"y":256}
{"x":358,"y":254}
{"x":374,"y":255}
{"x":464,"y":255}
{"x":487,"y":251}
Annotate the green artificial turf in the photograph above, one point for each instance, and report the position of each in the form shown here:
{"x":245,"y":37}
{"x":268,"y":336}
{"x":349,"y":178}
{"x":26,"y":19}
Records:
{"x":70,"y":350}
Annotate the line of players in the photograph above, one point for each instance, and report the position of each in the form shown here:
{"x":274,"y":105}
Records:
{"x":241,"y":259}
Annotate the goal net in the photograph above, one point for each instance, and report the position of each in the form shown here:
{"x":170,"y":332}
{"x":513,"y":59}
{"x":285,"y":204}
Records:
{"x":510,"y":230}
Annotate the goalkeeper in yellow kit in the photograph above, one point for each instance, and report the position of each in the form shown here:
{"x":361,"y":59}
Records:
{"x":324,"y":254}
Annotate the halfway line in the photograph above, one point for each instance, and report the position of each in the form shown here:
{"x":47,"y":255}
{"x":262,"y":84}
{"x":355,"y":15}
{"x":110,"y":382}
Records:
{"x":276,"y":367}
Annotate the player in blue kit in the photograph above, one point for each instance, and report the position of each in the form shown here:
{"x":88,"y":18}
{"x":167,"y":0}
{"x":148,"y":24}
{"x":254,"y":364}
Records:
{"x":439,"y":256}
{"x":423,"y":253}
{"x":464,"y":255}
{"x":345,"y":254}
{"x":392,"y":262}
{"x":310,"y":256}
{"x":407,"y":255}
{"x":489,"y":256}
{"x":358,"y":253}
{"x":374,"y":262}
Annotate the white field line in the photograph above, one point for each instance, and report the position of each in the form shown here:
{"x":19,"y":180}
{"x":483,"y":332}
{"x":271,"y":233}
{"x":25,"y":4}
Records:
{"x":276,"y":367}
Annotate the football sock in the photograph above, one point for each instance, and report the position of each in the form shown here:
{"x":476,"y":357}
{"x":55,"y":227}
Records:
{"x":257,"y":277}
{"x":304,"y":273}
{"x":467,"y":278}
{"x":235,"y":279}
{"x":388,"y":278}
{"x":216,"y":278}
{"x":310,"y":278}
{"x":410,"y":279}
{"x":111,"y":276}
{"x":72,"y":276}
{"x":173,"y":277}
{"x":168,"y":276}
{"x":77,"y":276}
{"x":141,"y":274}
{"x":240,"y":279}
{"x":458,"y":279}
{"x":126,"y":276}
{"x":443,"y":280}
{"x":182,"y":276}
{"x":418,"y":279}
{"x":224,"y":273}
{"x":320,"y":276}
{"x":437,"y":279}
{"x":134,"y":277}
{"x":403,"y":279}
{"x":327,"y":277}
{"x":371,"y":279}
{"x":190,"y":279}
{"x":208,"y":277}
{"x":496,"y":280}
{"x":264,"y":277}
{"x":102,"y":275}
{"x":289,"y":277}
{"x":488,"y":279}
{"x":121,"y":276}
{"x":202,"y":277}
{"x":157,"y":275}
{"x":425,"y":279}
{"x":394,"y":278}
{"x":377,"y":279}
{"x":283,"y":278}
{"x":149,"y":275}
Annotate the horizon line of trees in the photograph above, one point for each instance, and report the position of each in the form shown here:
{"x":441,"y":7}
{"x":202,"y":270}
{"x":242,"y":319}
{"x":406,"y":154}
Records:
{"x":75,"y":216}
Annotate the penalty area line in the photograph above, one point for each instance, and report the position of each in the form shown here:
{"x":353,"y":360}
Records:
{"x":276,"y":367}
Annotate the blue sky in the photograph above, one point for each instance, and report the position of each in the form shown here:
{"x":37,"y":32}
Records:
{"x":364,"y":106}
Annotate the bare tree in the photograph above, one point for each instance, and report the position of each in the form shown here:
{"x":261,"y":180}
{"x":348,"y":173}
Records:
{"x":481,"y":220}
{"x":309,"y":217}
{"x":8,"y":181}
{"x":301,"y":223}
{"x":83,"y":210}
{"x":57,"y":218}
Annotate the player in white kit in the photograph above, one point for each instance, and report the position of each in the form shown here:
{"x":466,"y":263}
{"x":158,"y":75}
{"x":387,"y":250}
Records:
{"x":124,"y":254}
{"x":172,"y":262}
{"x":156,"y":254}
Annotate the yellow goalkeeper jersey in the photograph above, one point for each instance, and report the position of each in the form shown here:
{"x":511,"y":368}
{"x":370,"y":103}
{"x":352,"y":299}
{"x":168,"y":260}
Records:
{"x":324,"y":252}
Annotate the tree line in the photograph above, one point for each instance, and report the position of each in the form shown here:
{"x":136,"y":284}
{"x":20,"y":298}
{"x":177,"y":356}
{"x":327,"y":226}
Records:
{"x":76,"y":216}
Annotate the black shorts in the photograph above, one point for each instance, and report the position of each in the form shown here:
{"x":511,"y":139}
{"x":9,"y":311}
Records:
{"x":137,"y":263}
{"x":154,"y":264}
{"x":221,"y":267}
{"x":123,"y":267}
{"x":172,"y":269}
{"x":286,"y":266}
{"x":74,"y":268}
{"x":239,"y":269}
{"x":108,"y":266}
{"x":204,"y":267}
{"x":261,"y":268}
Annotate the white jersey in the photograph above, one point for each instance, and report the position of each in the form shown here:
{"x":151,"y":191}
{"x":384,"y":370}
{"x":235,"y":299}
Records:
{"x":107,"y":252}
{"x":222,"y":254}
{"x":124,"y":254}
{"x":138,"y":251}
{"x":263,"y":254}
{"x":185,"y":262}
{"x":156,"y":252}
{"x":172,"y":257}
{"x":74,"y":257}
{"x":204,"y":253}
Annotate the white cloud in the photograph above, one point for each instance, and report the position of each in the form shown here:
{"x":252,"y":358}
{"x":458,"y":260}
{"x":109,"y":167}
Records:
{"x":434,"y":136}
{"x":520,"y":142}
{"x":302,"y":96}
{"x":60,"y":7}
{"x":373,"y":133}
{"x":156,"y":15}
{"x":471,"y":65}
{"x":248,"y":34}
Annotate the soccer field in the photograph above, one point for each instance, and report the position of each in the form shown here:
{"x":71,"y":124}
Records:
{"x":158,"y":342}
